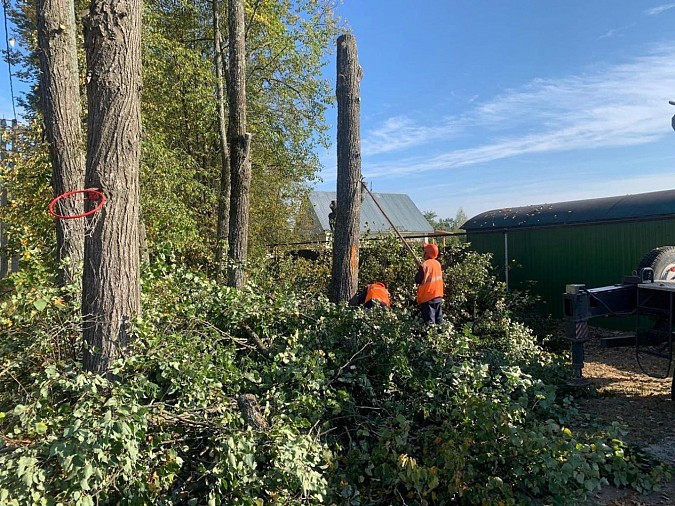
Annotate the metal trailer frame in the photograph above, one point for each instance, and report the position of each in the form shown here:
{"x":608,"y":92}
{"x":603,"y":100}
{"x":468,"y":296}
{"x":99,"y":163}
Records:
{"x":653,"y":304}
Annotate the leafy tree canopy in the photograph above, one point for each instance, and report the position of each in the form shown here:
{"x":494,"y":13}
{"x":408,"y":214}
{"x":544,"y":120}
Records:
{"x":446,"y":224}
{"x":287,"y":46}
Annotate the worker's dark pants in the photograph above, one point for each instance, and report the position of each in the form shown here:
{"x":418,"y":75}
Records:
{"x":432,"y":311}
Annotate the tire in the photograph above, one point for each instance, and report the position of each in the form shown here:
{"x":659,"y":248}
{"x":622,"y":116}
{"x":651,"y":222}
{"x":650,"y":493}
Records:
{"x":662,"y":262}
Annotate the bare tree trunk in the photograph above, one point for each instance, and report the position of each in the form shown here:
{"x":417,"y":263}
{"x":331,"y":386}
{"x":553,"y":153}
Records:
{"x":60,"y":101}
{"x":240,"y":144}
{"x":345,"y":270}
{"x":223,"y":225}
{"x":111,"y":282}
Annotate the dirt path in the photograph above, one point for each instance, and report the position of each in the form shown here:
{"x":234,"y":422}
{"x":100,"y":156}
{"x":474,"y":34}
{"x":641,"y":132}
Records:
{"x":642,"y":403}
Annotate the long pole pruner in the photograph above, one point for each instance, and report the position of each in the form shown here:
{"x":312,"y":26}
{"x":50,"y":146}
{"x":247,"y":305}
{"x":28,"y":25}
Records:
{"x":412,"y":252}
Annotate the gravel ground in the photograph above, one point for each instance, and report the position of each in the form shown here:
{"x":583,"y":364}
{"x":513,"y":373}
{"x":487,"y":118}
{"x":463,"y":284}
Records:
{"x":640,"y":402}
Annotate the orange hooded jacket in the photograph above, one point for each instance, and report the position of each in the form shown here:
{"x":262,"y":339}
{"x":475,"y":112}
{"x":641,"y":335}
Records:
{"x":431,"y":286}
{"x":377,"y":291}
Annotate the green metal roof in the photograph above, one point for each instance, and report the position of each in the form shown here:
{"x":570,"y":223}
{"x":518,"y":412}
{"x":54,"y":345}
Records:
{"x":641,"y":206}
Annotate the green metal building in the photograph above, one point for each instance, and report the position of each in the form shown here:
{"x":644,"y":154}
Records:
{"x":593,"y":242}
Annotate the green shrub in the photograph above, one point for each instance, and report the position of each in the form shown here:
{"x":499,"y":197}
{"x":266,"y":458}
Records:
{"x":353,"y":406}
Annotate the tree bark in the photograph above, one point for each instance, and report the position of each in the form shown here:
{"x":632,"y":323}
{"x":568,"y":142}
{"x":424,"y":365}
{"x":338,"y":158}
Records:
{"x":345,"y":269}
{"x":60,"y":101}
{"x":223,"y":225}
{"x":240,"y":143}
{"x":111,"y":281}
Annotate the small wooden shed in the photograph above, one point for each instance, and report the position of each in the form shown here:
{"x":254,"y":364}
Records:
{"x":593,"y":242}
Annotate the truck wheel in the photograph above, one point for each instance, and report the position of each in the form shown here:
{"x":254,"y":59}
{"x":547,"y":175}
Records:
{"x":662,"y":262}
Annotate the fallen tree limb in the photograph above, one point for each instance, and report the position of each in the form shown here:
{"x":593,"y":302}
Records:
{"x":250,"y":410}
{"x":250,"y":333}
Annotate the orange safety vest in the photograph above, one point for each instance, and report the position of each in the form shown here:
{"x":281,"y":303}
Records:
{"x":377,"y":291}
{"x":431,"y":286}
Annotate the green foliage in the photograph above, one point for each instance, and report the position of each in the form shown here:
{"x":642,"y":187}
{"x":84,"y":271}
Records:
{"x":167,"y":433}
{"x":172,"y":224}
{"x":285,"y":271}
{"x":287,"y":46}
{"x":446,"y":224}
{"x":353,"y":406}
{"x":387,"y":260}
{"x":26,"y":177}
{"x":363,"y":407}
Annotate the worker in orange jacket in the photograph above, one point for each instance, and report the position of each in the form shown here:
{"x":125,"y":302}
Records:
{"x":429,"y":279}
{"x":373,"y":293}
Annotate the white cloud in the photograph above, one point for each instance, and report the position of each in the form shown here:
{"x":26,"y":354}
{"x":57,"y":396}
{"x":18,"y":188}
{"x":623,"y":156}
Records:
{"x":620,"y":105}
{"x":658,"y":10}
{"x":610,"y":33}
{"x":400,"y":133}
{"x":446,"y":199}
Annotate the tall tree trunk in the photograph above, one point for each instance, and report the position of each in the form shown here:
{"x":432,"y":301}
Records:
{"x":111,"y":282}
{"x":345,"y":270}
{"x":240,"y":144}
{"x":60,"y":101}
{"x":223,"y":225}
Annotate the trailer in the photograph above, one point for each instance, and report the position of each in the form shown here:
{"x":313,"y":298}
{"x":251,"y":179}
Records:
{"x":648,"y":294}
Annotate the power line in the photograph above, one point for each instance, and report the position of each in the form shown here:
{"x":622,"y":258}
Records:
{"x":9,"y":60}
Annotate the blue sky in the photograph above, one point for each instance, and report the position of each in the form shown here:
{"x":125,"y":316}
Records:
{"x":481,"y":105}
{"x":485,"y":104}
{"x":7,"y":40}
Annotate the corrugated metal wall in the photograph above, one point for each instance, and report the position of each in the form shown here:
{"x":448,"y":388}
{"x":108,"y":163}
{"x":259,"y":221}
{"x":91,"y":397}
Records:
{"x":594,"y":255}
